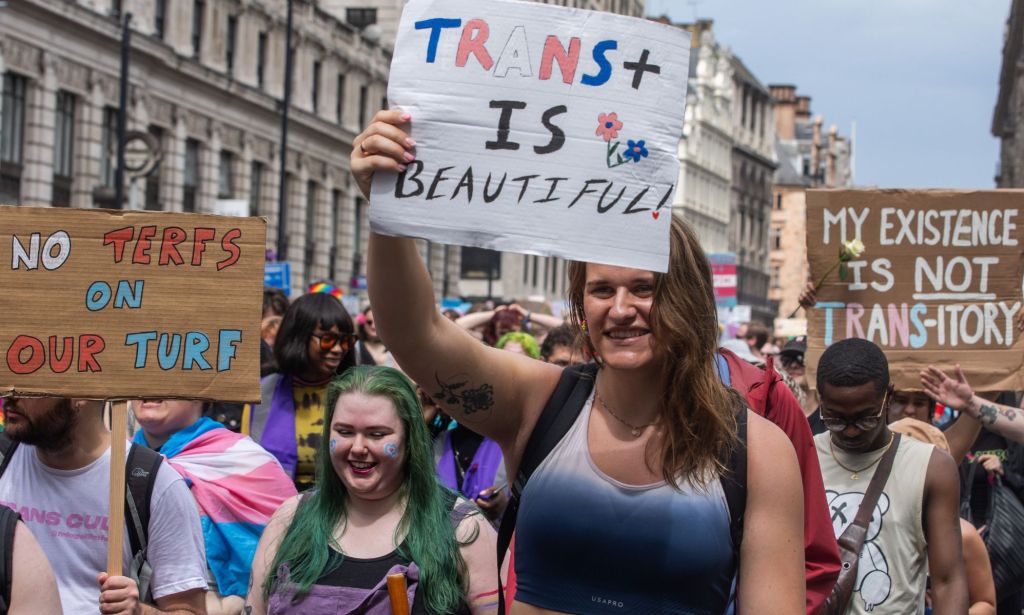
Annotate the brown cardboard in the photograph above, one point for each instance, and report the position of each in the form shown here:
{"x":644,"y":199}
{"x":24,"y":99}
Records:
{"x":195,"y":297}
{"x":992,"y":362}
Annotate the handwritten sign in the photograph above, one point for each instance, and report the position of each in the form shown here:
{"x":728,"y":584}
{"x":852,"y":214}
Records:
{"x":103,"y":304}
{"x":538,"y":129}
{"x":939,"y":281}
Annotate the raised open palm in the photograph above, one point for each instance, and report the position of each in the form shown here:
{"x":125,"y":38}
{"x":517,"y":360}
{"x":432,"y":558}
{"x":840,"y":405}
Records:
{"x":956,"y":393}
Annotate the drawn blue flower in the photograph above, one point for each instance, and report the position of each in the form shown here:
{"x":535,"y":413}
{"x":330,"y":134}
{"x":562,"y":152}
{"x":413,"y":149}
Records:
{"x":635,"y":150}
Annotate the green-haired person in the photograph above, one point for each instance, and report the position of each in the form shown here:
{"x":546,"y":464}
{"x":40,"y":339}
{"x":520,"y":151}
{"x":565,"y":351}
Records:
{"x":378,"y":508}
{"x":519,"y":342}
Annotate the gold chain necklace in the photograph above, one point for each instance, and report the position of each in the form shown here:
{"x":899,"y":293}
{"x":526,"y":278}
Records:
{"x":636,"y":430}
{"x":855,"y":474}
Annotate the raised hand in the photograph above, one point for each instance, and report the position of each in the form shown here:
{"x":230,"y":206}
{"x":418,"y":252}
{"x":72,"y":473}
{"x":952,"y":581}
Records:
{"x":383,"y":146}
{"x":956,"y":394}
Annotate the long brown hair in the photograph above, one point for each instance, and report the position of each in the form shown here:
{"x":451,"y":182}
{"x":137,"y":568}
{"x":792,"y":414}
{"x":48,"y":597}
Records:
{"x":699,"y":412}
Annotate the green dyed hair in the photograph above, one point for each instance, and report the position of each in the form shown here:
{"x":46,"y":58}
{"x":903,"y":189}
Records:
{"x":426,"y":523}
{"x":527,"y":341}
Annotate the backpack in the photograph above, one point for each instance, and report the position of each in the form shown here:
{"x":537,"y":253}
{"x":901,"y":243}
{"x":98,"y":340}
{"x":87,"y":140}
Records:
{"x":8,"y":523}
{"x":564,"y":406}
{"x":140,"y":477}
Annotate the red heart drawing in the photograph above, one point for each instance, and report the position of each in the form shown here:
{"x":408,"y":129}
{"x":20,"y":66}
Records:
{"x":655,"y":214}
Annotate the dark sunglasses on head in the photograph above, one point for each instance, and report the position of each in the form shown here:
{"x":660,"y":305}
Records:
{"x":329,"y":339}
{"x":792,"y":361}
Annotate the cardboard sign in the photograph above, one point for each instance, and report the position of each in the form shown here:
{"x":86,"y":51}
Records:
{"x":939,"y":281}
{"x":116,"y":304}
{"x":538,"y":129}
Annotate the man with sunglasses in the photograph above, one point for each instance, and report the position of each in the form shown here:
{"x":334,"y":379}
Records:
{"x":791,"y":358}
{"x":914,"y":530}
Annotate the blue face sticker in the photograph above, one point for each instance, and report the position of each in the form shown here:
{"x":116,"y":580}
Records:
{"x":391,"y":450}
{"x":334,"y":444}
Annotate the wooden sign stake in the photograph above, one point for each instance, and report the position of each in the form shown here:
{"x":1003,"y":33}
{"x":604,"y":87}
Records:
{"x":115,"y":520}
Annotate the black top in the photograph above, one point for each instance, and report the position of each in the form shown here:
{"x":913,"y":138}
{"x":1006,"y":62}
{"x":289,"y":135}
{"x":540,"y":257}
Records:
{"x":367,"y":573}
{"x":817,"y":425}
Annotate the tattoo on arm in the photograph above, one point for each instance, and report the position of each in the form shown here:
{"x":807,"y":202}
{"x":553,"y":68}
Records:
{"x":457,"y":392}
{"x":988,"y":413}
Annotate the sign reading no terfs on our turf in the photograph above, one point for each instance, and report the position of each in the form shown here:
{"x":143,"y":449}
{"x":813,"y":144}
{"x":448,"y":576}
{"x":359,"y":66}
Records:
{"x":538,"y":129}
{"x":939,"y":281}
{"x":110,"y":304}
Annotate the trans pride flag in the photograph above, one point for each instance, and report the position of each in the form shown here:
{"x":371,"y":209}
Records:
{"x":237,"y":486}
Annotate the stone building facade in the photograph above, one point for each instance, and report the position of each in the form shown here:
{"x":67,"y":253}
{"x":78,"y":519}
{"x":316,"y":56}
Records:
{"x":1010,"y":102}
{"x":207,"y":78}
{"x":807,"y":158}
{"x":753,"y":168}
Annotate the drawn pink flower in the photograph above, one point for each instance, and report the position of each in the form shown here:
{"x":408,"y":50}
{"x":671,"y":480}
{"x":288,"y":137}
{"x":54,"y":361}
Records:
{"x":608,"y":126}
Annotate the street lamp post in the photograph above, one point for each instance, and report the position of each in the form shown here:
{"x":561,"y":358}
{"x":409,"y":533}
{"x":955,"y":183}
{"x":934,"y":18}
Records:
{"x":282,"y":196}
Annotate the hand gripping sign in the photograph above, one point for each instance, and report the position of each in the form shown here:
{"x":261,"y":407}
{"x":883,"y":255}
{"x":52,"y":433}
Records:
{"x":539,"y":129}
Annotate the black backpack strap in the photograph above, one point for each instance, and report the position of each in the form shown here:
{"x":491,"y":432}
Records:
{"x":561,"y":411}
{"x":734,"y":484}
{"x":8,"y":524}
{"x":7,"y":448}
{"x":140,"y":477}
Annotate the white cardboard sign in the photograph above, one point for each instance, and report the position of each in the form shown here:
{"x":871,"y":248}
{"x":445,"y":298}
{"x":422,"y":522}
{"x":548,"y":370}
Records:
{"x":539,"y":129}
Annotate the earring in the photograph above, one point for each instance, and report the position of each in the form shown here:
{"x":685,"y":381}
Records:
{"x":583,"y":325}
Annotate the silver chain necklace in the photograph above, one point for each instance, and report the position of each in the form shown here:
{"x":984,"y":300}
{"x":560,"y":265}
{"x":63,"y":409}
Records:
{"x":636,"y":430}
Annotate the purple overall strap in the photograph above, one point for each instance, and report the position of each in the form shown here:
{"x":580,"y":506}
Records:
{"x":279,"y":434}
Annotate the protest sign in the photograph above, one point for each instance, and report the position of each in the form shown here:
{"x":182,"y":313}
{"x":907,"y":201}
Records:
{"x":723,"y":272}
{"x":939,"y":281}
{"x":538,"y":129}
{"x":103,"y":304}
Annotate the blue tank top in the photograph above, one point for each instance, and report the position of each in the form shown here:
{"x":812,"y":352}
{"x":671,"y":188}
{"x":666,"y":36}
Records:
{"x":587,"y":543}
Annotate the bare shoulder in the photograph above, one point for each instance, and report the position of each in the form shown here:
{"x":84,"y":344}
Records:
{"x":765,"y":438}
{"x":942,"y":472}
{"x":283,"y":516}
{"x":771,"y":459}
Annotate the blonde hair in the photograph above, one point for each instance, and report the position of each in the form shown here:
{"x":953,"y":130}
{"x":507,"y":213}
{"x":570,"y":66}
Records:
{"x":699,"y":412}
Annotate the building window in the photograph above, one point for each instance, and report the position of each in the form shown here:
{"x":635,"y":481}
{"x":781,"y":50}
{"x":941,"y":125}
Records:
{"x":191,"y":184}
{"x":109,"y":143}
{"x":775,"y":238}
{"x":533,"y":276}
{"x":12,"y":131}
{"x":778,"y":202}
{"x":361,"y":17}
{"x":255,"y":188}
{"x":115,"y":8}
{"x":364,"y":93}
{"x":63,"y":148}
{"x":153,"y":179}
{"x":339,"y":102}
{"x":225,"y":176}
{"x":776,"y":273}
{"x":480,"y":264}
{"x":261,"y":58}
{"x":198,"y":6}
{"x":232,"y":36}
{"x":316,"y":85}
{"x":160,"y":17}
{"x":310,"y":230}
{"x":335,"y":233}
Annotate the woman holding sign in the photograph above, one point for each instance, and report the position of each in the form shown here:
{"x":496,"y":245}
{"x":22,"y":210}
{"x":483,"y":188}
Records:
{"x":628,"y":512}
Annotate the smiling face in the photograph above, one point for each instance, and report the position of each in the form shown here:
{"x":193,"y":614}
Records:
{"x":324,"y":363}
{"x":161,"y":418}
{"x":367,"y":445}
{"x":617,"y":303}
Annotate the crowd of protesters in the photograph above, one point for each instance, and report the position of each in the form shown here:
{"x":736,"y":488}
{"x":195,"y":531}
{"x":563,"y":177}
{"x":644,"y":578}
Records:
{"x":622,"y":459}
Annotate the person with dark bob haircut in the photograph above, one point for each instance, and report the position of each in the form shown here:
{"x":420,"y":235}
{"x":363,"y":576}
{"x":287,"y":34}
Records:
{"x":312,"y":346}
{"x":628,"y":512}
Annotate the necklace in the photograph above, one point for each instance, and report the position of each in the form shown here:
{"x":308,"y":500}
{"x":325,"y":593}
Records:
{"x":636,"y":430}
{"x":854,"y":473}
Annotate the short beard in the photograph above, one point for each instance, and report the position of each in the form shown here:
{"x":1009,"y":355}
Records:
{"x":54,"y":431}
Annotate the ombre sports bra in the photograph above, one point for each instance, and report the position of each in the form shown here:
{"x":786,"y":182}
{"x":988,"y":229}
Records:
{"x":586,"y":543}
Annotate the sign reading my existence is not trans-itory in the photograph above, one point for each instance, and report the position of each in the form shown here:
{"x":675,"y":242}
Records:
{"x":538,"y":129}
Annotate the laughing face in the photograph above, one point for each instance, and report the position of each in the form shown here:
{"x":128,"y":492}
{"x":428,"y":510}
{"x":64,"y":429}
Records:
{"x":367,"y":445}
{"x":161,"y":418}
{"x":617,"y":302}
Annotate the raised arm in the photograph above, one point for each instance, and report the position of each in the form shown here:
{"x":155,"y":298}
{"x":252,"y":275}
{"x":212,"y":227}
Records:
{"x":1006,"y":421}
{"x":772,"y":553}
{"x":498,"y":394}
